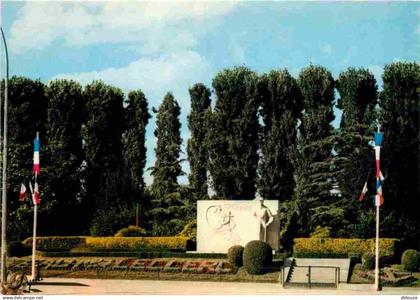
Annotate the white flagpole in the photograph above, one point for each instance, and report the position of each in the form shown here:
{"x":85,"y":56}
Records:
{"x":34,"y":231}
{"x":4,"y":171}
{"x":34,"y":241}
{"x":377,"y":287}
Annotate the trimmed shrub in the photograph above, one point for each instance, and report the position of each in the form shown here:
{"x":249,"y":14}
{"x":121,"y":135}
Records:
{"x":137,"y":243}
{"x":235,"y":255}
{"x":135,"y":254}
{"x":56,"y":243}
{"x":256,"y":256}
{"x":88,"y":244}
{"x":331,"y":247}
{"x":189,"y":231}
{"x":18,"y":249}
{"x":410,"y":260}
{"x":131,"y":231}
{"x":106,"y":222}
{"x":368,"y":261}
{"x":321,"y":232}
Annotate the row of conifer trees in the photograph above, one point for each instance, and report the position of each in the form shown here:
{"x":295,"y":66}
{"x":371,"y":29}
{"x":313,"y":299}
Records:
{"x":267,"y":132}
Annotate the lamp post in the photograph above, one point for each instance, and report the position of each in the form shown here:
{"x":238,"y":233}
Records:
{"x":4,"y":173}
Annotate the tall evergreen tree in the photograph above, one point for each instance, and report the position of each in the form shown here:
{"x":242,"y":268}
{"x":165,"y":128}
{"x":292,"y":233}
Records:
{"x":232,"y":139}
{"x":27,"y":114}
{"x":167,"y":165}
{"x":281,"y":106}
{"x":358,"y":98}
{"x":103,"y":137}
{"x":64,"y":153}
{"x":196,"y":149}
{"x":166,"y":215}
{"x":400,"y":161}
{"x":136,"y":118}
{"x":313,"y":158}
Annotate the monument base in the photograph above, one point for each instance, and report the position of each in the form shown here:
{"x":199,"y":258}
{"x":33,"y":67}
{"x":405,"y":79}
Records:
{"x":224,"y":223}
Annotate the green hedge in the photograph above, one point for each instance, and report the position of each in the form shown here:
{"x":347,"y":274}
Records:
{"x":133,"y":254}
{"x":331,"y":247}
{"x":56,"y":243}
{"x":133,"y":244}
{"x":137,"y":243}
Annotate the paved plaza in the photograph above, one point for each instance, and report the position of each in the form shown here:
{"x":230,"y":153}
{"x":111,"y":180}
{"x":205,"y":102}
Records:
{"x":73,"y":286}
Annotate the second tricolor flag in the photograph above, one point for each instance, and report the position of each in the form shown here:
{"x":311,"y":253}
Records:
{"x":379,"y":199}
{"x":36,"y":156}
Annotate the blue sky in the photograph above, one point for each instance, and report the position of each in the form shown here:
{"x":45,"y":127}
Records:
{"x":160,"y":47}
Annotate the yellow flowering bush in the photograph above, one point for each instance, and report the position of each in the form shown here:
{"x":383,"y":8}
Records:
{"x":313,"y":247}
{"x":66,"y":243}
{"x":131,"y":231}
{"x":56,"y":243}
{"x":137,"y":243}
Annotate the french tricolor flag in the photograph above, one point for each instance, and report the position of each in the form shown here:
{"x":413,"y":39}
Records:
{"x":364,"y":191}
{"x":22,"y":193}
{"x":36,"y":194}
{"x":379,"y":199}
{"x":36,"y":156}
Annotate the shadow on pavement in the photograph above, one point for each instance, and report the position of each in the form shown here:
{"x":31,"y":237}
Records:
{"x":62,"y":283}
{"x":274,"y":267}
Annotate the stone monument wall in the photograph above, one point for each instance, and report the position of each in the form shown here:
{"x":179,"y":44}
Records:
{"x":224,"y":223}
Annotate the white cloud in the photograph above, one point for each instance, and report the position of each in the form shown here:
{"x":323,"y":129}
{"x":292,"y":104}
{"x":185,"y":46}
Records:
{"x":174,"y":72}
{"x":39,"y":24}
{"x":237,"y":53}
{"x":155,"y":76}
{"x":377,"y":71}
{"x":163,"y":34}
{"x":326,"y":49}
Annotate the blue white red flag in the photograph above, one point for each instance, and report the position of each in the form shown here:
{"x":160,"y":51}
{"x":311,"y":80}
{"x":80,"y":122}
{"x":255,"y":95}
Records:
{"x":379,"y":195}
{"x":379,"y":199}
{"x":364,"y":191}
{"x":36,"y":156}
{"x":35,"y":193}
{"x":22,"y":193}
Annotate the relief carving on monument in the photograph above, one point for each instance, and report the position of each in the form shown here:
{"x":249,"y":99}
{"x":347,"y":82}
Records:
{"x":222,"y":221}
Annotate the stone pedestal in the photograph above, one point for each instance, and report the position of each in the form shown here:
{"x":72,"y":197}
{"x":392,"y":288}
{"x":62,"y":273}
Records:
{"x":224,"y":223}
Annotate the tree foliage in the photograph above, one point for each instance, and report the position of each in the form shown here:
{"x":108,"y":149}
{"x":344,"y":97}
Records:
{"x":313,"y":156}
{"x":103,"y":137}
{"x":168,"y":148}
{"x":281,"y":106}
{"x":400,"y":161}
{"x":27,"y":115}
{"x":232,"y":139}
{"x":358,"y":98}
{"x":64,"y":153}
{"x":93,"y":152}
{"x":136,"y":120}
{"x":167,"y":214}
{"x":196,"y":149}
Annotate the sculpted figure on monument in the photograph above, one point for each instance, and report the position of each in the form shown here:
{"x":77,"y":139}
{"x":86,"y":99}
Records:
{"x":264,"y":217}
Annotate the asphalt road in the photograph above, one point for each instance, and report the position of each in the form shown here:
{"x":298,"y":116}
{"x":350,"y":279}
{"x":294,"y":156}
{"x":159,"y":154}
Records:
{"x":70,"y":286}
